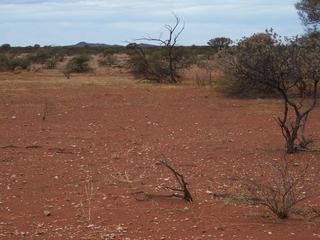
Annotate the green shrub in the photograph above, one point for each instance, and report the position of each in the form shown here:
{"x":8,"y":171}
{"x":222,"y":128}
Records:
{"x":220,"y":43}
{"x":255,"y":54}
{"x":154,"y":64}
{"x":40,"y":57}
{"x":4,"y":63}
{"x":237,"y":87}
{"x":52,"y":62}
{"x":139,"y":67}
{"x":79,"y":64}
{"x":21,"y":62}
{"x":11,"y":63}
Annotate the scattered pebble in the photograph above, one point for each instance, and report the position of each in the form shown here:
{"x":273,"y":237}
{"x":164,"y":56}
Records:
{"x":47,"y":213}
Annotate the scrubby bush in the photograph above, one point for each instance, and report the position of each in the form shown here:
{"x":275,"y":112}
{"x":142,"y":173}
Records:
{"x":220,"y":43}
{"x":78,"y":64}
{"x":52,"y":62}
{"x":139,"y":66}
{"x":5,"y":47}
{"x":289,"y":67}
{"x":151,"y":65}
{"x":154,"y":64}
{"x":11,"y":63}
{"x":237,"y":87}
{"x":108,"y":60}
{"x":4,"y":63}
{"x":20,"y":62}
{"x":280,"y":195}
{"x":236,"y":82}
{"x":40,"y":57}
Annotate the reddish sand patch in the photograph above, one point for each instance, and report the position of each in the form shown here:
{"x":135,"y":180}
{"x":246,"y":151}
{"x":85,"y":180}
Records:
{"x":114,"y":136}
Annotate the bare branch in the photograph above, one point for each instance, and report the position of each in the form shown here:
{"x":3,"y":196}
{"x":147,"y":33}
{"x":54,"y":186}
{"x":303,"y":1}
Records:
{"x":142,"y":196}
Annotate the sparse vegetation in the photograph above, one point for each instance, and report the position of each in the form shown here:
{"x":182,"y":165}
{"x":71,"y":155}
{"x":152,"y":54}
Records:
{"x":78,"y":64}
{"x":56,"y":132}
{"x":163,"y":65}
{"x":8,"y":63}
{"x":286,"y":67}
{"x":220,"y":43}
{"x":280,"y":194}
{"x":109,"y":60}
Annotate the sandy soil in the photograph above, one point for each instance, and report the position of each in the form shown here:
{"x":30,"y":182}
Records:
{"x":73,"y":175}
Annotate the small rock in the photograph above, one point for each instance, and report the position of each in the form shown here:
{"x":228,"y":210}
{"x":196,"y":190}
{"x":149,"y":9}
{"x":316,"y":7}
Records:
{"x":119,"y":228}
{"x":39,"y":233}
{"x":47,"y":213}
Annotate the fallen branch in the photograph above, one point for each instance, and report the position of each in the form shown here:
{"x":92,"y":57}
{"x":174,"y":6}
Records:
{"x":45,"y":111}
{"x":180,"y":179}
{"x":9,"y":146}
{"x":27,"y":147}
{"x":182,"y":192}
{"x":58,"y":150}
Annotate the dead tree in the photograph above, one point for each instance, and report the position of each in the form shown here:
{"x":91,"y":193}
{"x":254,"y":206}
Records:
{"x":182,"y":192}
{"x":171,"y":58}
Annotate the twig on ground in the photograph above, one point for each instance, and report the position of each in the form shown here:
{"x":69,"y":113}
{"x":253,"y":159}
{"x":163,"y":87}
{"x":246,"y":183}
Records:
{"x":182,"y":192}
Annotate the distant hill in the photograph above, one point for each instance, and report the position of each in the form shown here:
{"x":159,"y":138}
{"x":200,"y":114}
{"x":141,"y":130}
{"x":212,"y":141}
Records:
{"x":145,"y":45}
{"x":141,"y":45}
{"x":85,"y":44}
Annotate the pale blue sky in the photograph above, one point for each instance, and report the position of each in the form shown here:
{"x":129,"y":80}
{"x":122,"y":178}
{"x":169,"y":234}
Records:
{"x":63,"y":22}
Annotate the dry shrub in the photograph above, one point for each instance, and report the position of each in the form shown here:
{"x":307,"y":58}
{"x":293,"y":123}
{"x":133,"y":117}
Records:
{"x":108,"y":60}
{"x":207,"y":67}
{"x":284,"y":189}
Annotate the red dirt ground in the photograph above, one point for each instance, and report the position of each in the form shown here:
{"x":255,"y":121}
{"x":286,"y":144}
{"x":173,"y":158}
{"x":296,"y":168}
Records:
{"x":110,"y":138}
